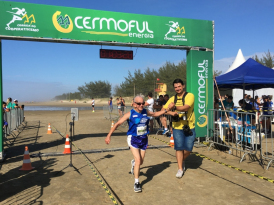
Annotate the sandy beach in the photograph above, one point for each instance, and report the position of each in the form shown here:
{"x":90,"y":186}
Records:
{"x":104,"y":173}
{"x":73,"y":103}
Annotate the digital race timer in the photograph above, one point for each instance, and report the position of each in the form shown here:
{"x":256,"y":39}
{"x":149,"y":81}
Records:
{"x":116,"y":54}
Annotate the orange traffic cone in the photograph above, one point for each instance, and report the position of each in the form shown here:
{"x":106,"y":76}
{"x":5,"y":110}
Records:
{"x":26,"y":160}
{"x":67,"y":146}
{"x":49,"y":129}
{"x":112,"y":124}
{"x":171,"y":143}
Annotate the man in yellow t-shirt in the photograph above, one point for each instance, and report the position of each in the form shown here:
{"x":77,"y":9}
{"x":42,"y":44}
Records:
{"x":184,"y":126}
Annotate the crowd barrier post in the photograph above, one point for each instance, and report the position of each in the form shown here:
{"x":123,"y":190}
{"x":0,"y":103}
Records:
{"x":14,"y":118}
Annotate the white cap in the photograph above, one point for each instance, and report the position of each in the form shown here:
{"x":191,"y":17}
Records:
{"x":15,"y":100}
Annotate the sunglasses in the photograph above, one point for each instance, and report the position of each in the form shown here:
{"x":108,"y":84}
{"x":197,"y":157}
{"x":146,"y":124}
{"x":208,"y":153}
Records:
{"x":140,"y":103}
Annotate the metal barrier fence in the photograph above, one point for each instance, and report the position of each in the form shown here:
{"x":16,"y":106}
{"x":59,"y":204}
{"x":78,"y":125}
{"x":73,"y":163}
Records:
{"x":14,"y":118}
{"x":267,"y":149}
{"x":113,"y":113}
{"x":246,"y":135}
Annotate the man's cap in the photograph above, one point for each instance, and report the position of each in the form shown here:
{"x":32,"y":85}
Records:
{"x":15,"y":100}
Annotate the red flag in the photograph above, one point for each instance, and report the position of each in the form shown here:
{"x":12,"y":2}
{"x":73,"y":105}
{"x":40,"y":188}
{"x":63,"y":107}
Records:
{"x":158,"y":79}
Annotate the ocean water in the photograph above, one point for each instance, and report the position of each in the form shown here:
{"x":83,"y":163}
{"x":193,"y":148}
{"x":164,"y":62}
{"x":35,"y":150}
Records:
{"x":49,"y":108}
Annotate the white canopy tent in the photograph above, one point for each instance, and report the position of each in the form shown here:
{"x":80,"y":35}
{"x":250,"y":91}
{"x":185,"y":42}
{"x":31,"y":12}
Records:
{"x":239,"y":60}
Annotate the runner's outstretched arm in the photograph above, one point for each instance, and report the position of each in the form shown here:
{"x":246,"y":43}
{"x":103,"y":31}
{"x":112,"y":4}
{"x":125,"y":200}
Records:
{"x":117,"y":124}
{"x":161,"y":112}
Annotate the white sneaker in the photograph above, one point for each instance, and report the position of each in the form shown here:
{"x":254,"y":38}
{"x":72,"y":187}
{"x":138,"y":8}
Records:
{"x":132,"y":166}
{"x":180,"y":173}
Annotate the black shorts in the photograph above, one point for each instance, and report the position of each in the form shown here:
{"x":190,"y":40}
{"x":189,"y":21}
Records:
{"x":92,"y":106}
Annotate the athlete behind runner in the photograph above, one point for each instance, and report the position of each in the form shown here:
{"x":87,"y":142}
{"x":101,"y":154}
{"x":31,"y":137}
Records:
{"x":149,"y":103}
{"x":110,"y":104}
{"x":137,"y":134}
{"x":92,"y":104}
{"x":183,"y":125}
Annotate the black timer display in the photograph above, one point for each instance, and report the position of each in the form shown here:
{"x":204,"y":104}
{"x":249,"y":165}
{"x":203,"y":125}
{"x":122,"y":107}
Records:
{"x":116,"y":54}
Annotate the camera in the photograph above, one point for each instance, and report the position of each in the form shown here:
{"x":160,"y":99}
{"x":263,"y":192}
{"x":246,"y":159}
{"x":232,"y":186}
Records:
{"x":187,"y":131}
{"x":176,"y":118}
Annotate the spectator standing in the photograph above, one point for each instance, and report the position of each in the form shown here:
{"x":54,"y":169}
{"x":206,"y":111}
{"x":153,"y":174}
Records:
{"x":245,"y":106}
{"x":15,"y":104}
{"x":110,"y":104}
{"x":216,"y":107}
{"x":270,"y":105}
{"x":10,"y":105}
{"x":266,"y":122}
{"x":249,"y":108}
{"x":122,"y":105}
{"x":228,"y":103}
{"x":149,"y":103}
{"x":5,"y":107}
{"x":119,"y":107}
{"x":245,"y":98}
{"x":92,"y":104}
{"x":158,"y":105}
{"x":257,"y":102}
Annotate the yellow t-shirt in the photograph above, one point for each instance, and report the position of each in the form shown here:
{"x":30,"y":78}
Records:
{"x":189,"y":100}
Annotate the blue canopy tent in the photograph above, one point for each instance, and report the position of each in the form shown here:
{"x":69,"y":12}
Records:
{"x":251,"y":75}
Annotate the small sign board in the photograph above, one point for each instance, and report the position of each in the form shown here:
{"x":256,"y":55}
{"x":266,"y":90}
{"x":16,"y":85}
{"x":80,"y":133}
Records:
{"x":75,"y":114}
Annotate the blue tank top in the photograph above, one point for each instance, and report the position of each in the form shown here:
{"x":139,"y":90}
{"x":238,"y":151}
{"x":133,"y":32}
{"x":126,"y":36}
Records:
{"x":138,"y":123}
{"x":110,"y":103}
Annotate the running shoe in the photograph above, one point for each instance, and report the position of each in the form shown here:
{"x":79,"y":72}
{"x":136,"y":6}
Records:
{"x":180,"y":173}
{"x":137,"y":187}
{"x":165,"y":132}
{"x":132,"y":166}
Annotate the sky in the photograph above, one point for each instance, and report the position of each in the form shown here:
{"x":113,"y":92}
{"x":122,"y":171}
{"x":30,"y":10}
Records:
{"x":38,"y":71}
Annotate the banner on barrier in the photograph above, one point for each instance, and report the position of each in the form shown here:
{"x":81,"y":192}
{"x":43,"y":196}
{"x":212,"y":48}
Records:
{"x":44,"y":21}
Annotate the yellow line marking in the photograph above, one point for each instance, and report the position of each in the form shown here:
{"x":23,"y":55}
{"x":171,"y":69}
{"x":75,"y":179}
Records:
{"x":95,"y":173}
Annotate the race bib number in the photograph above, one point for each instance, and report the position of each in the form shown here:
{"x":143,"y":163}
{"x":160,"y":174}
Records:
{"x":142,"y":130}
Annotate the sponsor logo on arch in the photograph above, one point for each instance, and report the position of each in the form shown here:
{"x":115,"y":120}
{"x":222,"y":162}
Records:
{"x":21,"y":20}
{"x":175,"y":32}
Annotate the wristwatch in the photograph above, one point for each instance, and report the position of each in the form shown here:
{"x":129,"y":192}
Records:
{"x":165,"y":111}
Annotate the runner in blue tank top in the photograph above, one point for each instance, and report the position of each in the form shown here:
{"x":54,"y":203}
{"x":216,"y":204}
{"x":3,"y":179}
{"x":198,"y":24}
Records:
{"x":137,"y":135}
